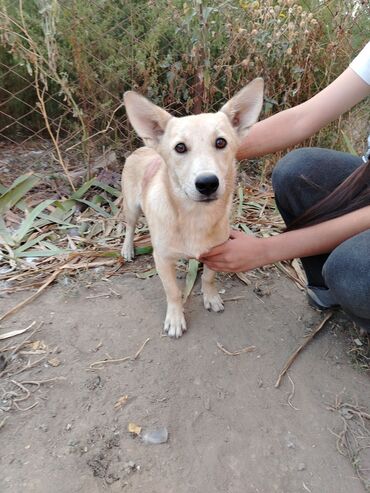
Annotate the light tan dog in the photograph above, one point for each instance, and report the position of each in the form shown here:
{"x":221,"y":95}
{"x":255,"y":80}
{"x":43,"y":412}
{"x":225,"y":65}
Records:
{"x":183,"y":181}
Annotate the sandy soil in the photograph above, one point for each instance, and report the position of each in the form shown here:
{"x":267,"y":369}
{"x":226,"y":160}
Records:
{"x":230,"y":430}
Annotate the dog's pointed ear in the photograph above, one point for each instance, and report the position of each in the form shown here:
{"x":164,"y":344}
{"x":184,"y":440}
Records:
{"x":148,"y":120}
{"x":244,"y":108}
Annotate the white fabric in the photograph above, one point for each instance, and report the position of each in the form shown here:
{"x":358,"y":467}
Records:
{"x":361,"y":64}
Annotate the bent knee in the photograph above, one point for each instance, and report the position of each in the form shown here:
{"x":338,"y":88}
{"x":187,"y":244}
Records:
{"x":347,"y":275}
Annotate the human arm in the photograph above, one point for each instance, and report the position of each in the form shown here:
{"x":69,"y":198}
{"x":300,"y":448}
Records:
{"x":292,"y":126}
{"x":243,"y":252}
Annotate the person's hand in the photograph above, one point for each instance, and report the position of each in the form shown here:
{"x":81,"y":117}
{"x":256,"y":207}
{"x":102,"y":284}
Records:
{"x":239,"y":253}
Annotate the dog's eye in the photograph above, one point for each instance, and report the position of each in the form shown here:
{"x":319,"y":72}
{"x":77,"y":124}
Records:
{"x":221,"y":143}
{"x":180,"y":148}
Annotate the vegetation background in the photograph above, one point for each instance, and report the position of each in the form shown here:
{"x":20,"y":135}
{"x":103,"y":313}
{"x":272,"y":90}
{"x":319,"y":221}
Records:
{"x":64,"y":67}
{"x":80,"y":56}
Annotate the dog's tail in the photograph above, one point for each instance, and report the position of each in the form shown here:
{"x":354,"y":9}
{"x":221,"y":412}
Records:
{"x":352,"y":194}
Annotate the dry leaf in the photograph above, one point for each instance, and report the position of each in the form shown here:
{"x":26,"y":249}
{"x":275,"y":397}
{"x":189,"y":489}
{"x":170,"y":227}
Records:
{"x":38,"y":345}
{"x":15,"y":332}
{"x":134,"y":428}
{"x":243,"y":277}
{"x":54,"y":362}
{"x":121,"y":402}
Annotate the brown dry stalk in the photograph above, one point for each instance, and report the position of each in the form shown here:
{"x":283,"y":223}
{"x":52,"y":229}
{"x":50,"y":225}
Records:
{"x":247,"y":349}
{"x":301,"y":347}
{"x":98,"y":365}
{"x":40,"y":97}
{"x":32,"y":297}
{"x":84,"y":265}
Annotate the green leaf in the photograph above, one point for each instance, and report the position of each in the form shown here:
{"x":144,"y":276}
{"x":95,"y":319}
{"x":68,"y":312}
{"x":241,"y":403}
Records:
{"x":107,"y":188}
{"x":142,"y":250}
{"x":191,"y":277}
{"x":96,"y":208}
{"x":45,"y":253}
{"x":81,"y":191}
{"x":27,"y":223}
{"x":31,"y":243}
{"x":147,"y":273}
{"x":245,"y":228}
{"x":17,"y":190}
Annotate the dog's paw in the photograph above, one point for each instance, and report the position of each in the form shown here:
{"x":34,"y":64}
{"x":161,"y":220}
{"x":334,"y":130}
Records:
{"x":213,"y":302}
{"x":128,"y":252}
{"x":174,"y":324}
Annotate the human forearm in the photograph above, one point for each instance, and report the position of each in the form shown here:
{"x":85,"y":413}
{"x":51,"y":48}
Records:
{"x":292,"y":126}
{"x":318,"y":239}
{"x":245,"y":252}
{"x":270,"y":135}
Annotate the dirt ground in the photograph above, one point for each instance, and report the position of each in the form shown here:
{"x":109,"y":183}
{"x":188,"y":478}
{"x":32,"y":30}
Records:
{"x":230,"y":430}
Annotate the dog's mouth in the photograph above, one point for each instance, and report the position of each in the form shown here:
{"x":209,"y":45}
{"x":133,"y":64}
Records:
{"x":202,"y":198}
{"x":206,"y":199}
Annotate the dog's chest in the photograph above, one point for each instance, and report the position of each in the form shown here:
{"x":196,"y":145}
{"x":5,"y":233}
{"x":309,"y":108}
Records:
{"x":190,"y":235}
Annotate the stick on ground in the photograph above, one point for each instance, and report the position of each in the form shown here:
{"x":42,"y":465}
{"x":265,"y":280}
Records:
{"x":299,"y":349}
{"x":247,"y":349}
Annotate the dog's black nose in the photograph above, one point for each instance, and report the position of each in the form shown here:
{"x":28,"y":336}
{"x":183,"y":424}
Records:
{"x":207,"y":184}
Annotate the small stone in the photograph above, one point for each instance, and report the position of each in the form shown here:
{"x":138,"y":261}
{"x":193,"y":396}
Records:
{"x":68,"y":427}
{"x":301,"y":466}
{"x":54,"y":362}
{"x":207,"y":403}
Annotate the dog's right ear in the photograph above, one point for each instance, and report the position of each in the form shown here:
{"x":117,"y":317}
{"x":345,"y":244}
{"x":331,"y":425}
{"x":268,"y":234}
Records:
{"x":148,"y":120}
{"x":244,"y":108}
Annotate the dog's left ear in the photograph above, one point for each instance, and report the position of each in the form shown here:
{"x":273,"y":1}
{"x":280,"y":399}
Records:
{"x":244,"y":108}
{"x":148,"y":120}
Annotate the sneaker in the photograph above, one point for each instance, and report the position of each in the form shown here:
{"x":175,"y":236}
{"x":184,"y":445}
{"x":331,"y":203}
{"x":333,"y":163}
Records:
{"x":320,"y":298}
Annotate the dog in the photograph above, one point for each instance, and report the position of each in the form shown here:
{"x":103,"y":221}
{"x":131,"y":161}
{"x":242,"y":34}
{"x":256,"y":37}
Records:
{"x":183,"y":181}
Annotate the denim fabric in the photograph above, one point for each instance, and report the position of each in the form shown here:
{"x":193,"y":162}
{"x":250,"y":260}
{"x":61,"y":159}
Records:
{"x":301,"y":179}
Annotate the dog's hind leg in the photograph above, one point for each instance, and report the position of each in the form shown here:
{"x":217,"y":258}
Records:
{"x":174,"y":324}
{"x":132,"y":213}
{"x":211,"y":299}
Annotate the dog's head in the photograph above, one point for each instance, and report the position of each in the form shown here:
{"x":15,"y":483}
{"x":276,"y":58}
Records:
{"x":199,"y":150}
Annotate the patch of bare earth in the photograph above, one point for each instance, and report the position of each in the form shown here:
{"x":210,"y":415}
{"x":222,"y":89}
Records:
{"x":64,"y":416}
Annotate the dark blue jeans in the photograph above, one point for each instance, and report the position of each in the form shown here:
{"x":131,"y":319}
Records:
{"x":346,"y":270}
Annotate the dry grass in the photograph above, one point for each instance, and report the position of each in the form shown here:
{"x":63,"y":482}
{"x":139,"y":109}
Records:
{"x":353,"y":440}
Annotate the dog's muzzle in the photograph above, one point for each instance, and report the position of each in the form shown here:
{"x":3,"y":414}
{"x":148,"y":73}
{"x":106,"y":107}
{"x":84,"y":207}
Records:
{"x":207,"y":184}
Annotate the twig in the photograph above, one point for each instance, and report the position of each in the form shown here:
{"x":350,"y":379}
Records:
{"x":234,"y":298}
{"x":17,"y":348}
{"x":247,"y":349}
{"x":83,"y":141}
{"x":101,"y":295}
{"x":299,"y":349}
{"x":98,"y":365}
{"x":29,"y":366}
{"x":32,"y":297}
{"x":291,"y":395}
{"x":2,"y":423}
{"x":26,"y":408}
{"x":83,"y":265}
{"x":38,"y":383}
{"x":22,"y":387}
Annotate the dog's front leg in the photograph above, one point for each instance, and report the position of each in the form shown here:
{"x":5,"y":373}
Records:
{"x":175,"y":323}
{"x":211,"y":299}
